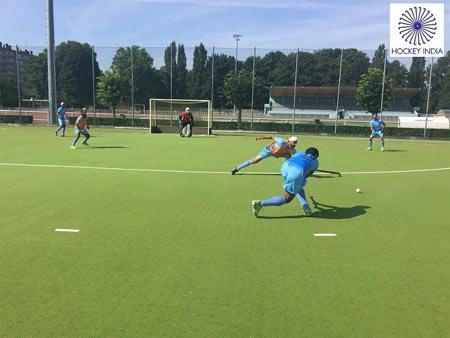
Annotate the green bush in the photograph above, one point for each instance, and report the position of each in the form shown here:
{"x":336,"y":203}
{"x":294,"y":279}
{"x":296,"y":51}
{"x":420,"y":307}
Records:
{"x":16,"y":119}
{"x":109,"y":121}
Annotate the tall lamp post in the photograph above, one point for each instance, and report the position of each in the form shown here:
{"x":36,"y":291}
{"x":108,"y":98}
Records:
{"x":237,"y":37}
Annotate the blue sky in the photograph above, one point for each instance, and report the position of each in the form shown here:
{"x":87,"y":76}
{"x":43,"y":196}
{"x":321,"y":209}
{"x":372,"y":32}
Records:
{"x":264,"y":23}
{"x":278,"y":24}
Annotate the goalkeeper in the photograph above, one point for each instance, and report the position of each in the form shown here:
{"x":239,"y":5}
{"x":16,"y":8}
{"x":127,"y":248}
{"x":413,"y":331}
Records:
{"x":295,"y":172}
{"x":280,"y":147}
{"x":186,"y":120}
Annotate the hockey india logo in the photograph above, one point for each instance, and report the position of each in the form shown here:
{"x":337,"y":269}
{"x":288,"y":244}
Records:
{"x":417,"y":26}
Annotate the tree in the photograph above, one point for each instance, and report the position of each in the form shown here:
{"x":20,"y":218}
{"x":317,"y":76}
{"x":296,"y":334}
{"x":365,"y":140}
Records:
{"x":169,"y":69}
{"x":237,"y":89}
{"x":378,"y":57}
{"x":109,"y":90}
{"x":181,"y":74}
{"x":74,"y":72}
{"x":35,"y":78}
{"x":146,"y":80}
{"x":354,"y":64}
{"x":223,"y":64}
{"x":397,"y":72}
{"x":444,"y":97}
{"x":8,"y":91}
{"x":416,"y":79}
{"x":369,"y":90}
{"x":439,"y":77}
{"x":198,"y":76}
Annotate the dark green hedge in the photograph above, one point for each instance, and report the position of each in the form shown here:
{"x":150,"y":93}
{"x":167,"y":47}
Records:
{"x":16,"y":119}
{"x":286,"y":128}
{"x":118,"y":122}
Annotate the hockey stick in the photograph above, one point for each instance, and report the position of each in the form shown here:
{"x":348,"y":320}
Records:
{"x":330,"y":172}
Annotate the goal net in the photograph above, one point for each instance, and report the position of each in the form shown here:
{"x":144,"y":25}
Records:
{"x":164,"y":115}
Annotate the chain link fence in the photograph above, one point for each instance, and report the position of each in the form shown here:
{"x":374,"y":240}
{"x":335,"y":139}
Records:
{"x":276,"y":89}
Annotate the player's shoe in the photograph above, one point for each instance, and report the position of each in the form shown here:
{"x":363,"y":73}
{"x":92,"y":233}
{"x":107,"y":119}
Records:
{"x":234,"y":171}
{"x":85,"y":143}
{"x":382,"y":149}
{"x":370,"y":148}
{"x":256,"y":205}
{"x":73,"y":147}
{"x":307,"y":211}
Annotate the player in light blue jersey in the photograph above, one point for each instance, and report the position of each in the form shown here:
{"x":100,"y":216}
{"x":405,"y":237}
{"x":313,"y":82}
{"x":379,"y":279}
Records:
{"x":61,"y":113}
{"x":377,"y":128}
{"x":279,"y":147}
{"x":295,"y":171}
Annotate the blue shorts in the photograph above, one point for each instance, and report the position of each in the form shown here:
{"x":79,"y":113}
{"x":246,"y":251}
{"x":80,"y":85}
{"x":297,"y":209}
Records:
{"x":83,"y":132}
{"x":294,"y":178}
{"x":61,"y":122}
{"x":377,"y":133}
{"x":265,"y":153}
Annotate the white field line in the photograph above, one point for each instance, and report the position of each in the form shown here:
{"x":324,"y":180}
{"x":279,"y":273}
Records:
{"x":325,"y":235}
{"x":67,"y":230}
{"x":206,"y":171}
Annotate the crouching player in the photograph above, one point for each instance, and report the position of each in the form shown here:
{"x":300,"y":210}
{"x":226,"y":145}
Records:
{"x":81,"y":126}
{"x":377,"y":128}
{"x":295,"y":172}
{"x":280,"y":147}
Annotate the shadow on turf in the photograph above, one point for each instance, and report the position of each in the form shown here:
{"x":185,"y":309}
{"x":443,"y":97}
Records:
{"x":329,"y":211}
{"x":335,"y":212}
{"x":107,"y":147}
{"x":394,"y":151}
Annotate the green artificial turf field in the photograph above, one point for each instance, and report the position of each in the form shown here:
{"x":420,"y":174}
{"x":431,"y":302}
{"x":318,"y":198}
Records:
{"x":176,"y":253}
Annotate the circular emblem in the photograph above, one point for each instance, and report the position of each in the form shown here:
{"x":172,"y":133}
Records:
{"x":417,"y":26}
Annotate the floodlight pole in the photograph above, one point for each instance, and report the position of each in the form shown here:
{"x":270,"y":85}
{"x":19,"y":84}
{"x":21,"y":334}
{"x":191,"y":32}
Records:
{"x":212,"y":76}
{"x":295,"y":90}
{"x":253,"y":87}
{"x":51,"y":74}
{"x":338,"y":91}
{"x":132,"y":88}
{"x":18,"y":84}
{"x":382,"y":85}
{"x":237,"y":37}
{"x":428,"y":99}
{"x":93,"y":82}
{"x":171,"y":85}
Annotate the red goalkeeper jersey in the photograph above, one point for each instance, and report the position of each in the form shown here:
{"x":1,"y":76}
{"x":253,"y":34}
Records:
{"x":186,"y":117}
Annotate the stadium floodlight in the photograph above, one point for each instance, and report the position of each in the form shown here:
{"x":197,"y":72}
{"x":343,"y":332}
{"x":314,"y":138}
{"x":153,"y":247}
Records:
{"x":163,"y":115}
{"x":237,"y":37}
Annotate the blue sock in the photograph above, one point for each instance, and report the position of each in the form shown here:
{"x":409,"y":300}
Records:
{"x":244,"y":164}
{"x":382,"y":143}
{"x":75,"y":139}
{"x":273,"y":201}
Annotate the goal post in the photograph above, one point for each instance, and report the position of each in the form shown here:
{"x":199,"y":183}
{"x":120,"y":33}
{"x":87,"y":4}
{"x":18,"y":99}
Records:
{"x":163,"y":115}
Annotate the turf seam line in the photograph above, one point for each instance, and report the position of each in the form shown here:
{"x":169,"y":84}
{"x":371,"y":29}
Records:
{"x":205,"y":171}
